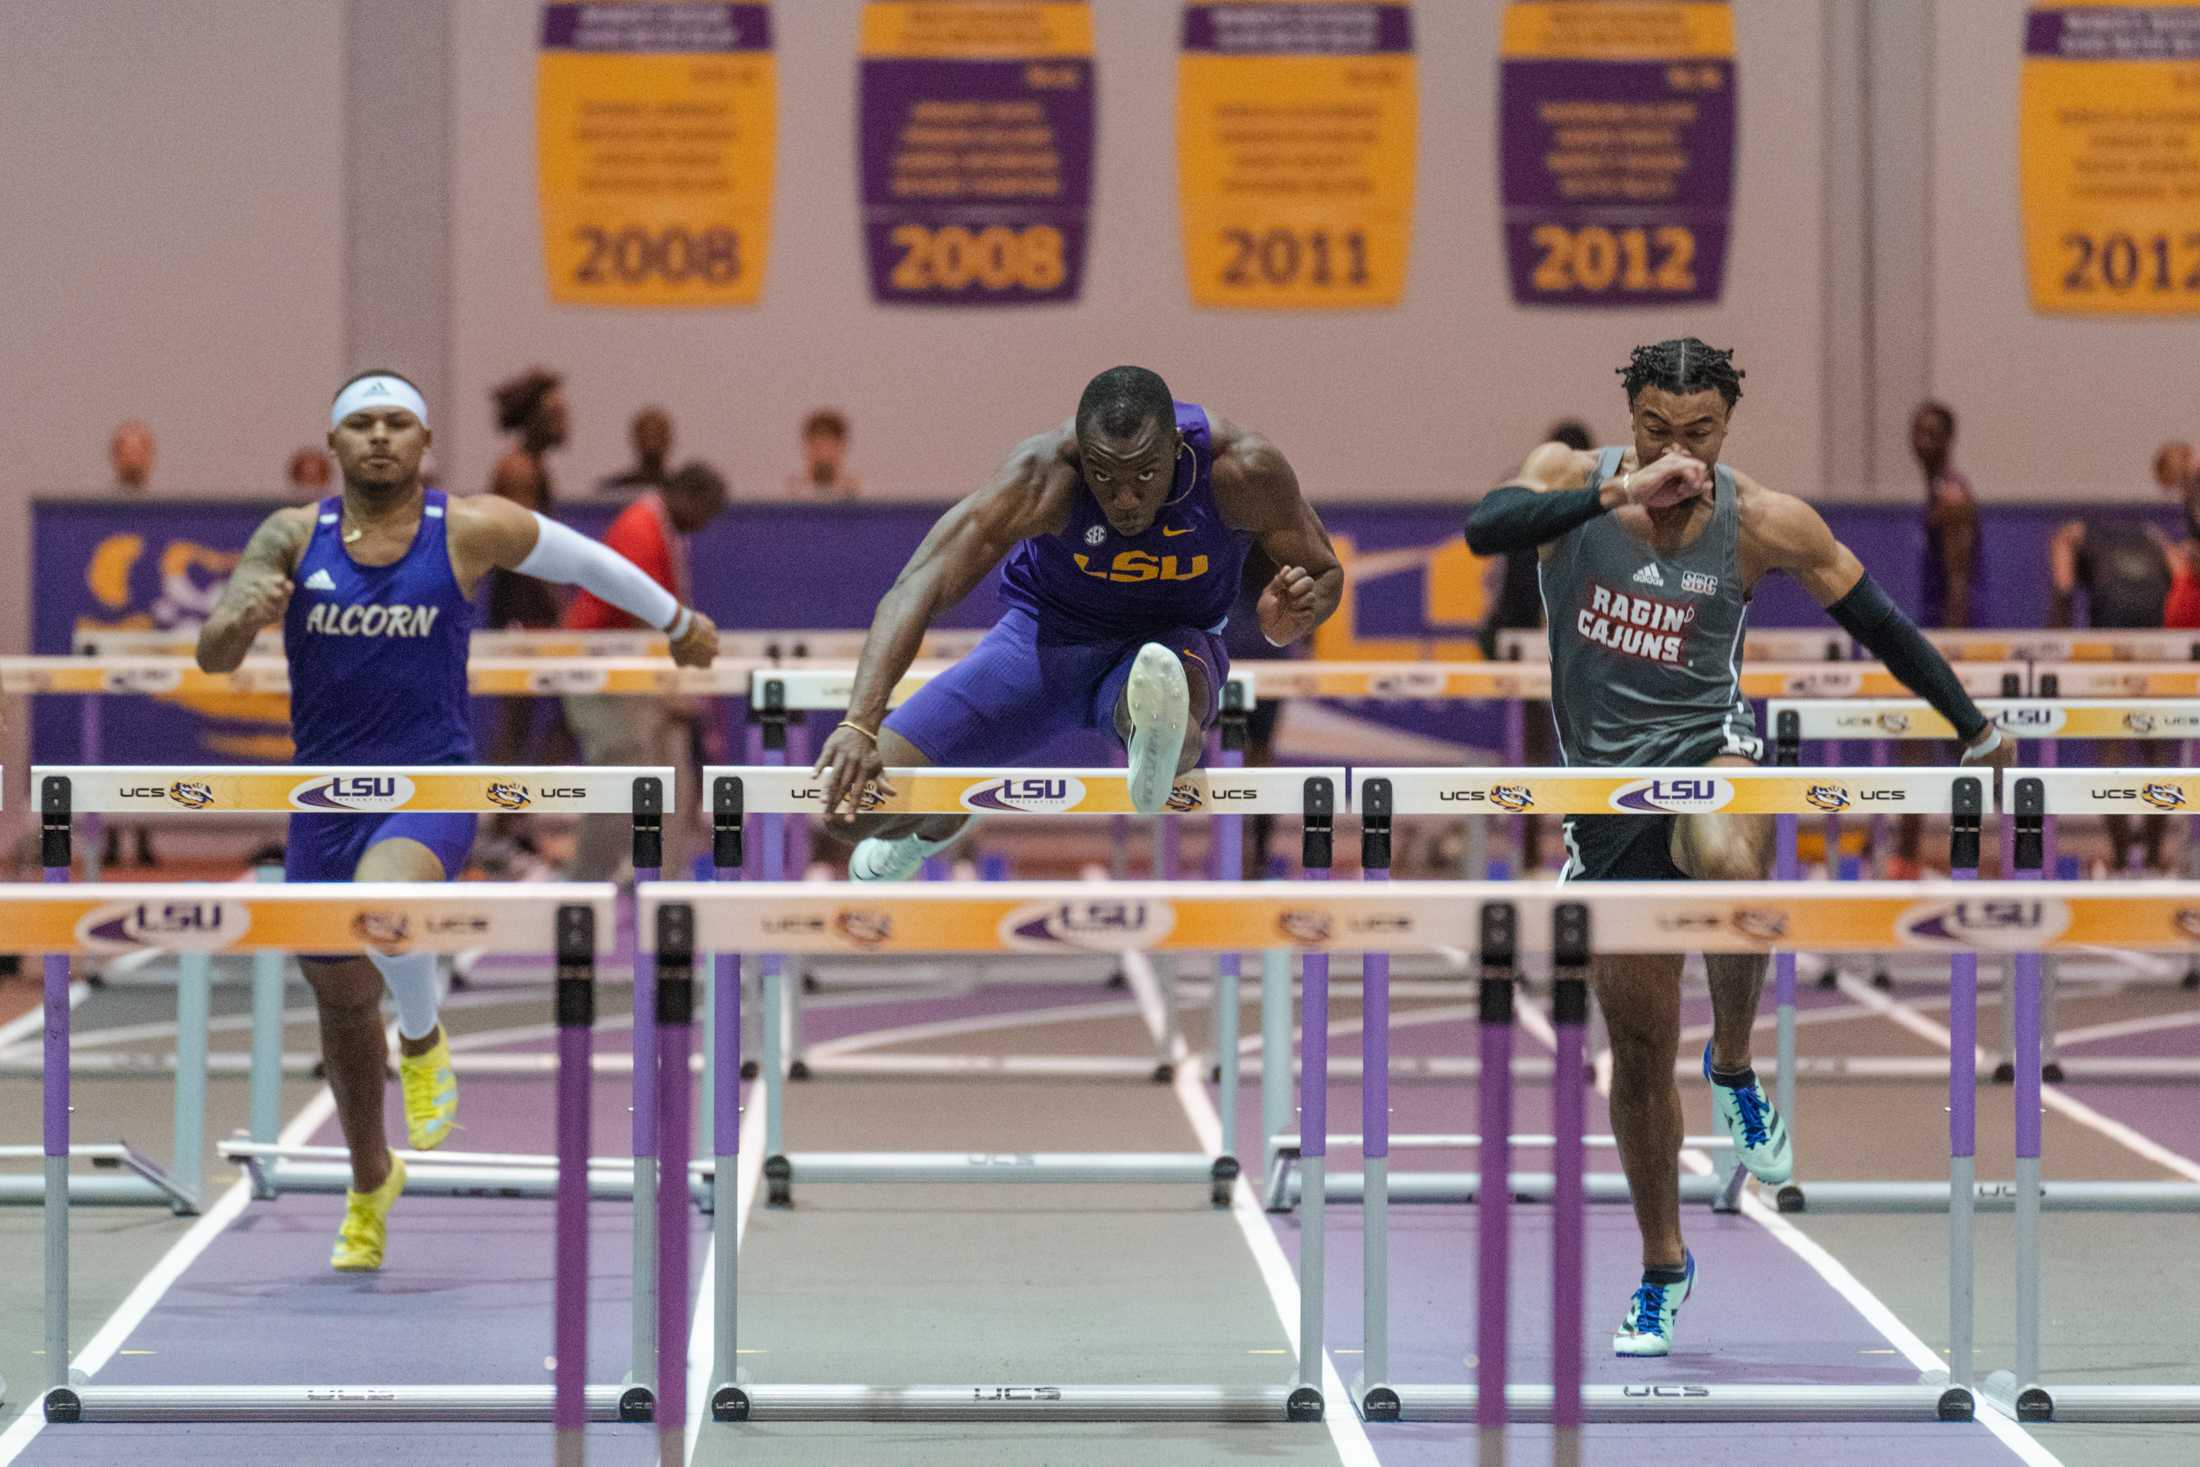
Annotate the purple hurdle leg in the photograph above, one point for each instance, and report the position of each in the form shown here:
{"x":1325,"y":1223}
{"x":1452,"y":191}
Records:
{"x":646,"y":1086}
{"x":2025,"y":997}
{"x":576,"y":1000}
{"x":727,"y":838}
{"x":675,"y":1023}
{"x":1493,"y":1191}
{"x":56,"y":1218}
{"x":1313,"y":1156}
{"x":1569,"y":1221}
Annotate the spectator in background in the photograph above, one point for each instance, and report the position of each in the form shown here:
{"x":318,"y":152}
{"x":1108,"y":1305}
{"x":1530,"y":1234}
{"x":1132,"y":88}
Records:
{"x":130,"y":454}
{"x":1516,"y":605}
{"x":1951,"y":520}
{"x":307,"y":475}
{"x":2177,"y":470}
{"x":1949,"y":573}
{"x":130,"y":457}
{"x":2126,"y":571}
{"x":652,"y":532}
{"x":825,"y":472}
{"x":651,"y":434}
{"x":531,"y":407}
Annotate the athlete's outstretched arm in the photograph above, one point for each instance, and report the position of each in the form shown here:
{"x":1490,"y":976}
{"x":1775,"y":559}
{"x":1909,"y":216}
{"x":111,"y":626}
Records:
{"x":493,"y":533}
{"x":1028,"y":496}
{"x":1781,"y":532}
{"x":258,"y":590}
{"x":1550,"y":497}
{"x":1258,"y":491}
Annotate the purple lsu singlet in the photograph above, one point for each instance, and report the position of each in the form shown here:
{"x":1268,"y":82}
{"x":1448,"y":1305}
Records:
{"x":1091,"y":582}
{"x":378,"y":653}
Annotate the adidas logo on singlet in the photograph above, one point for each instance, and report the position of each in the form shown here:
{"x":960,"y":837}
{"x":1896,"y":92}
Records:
{"x":1649,"y":576}
{"x":372,"y":621}
{"x":321,"y":580}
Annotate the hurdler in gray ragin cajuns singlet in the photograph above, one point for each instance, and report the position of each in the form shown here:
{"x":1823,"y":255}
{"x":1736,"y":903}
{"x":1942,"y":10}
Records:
{"x":1645,"y":648}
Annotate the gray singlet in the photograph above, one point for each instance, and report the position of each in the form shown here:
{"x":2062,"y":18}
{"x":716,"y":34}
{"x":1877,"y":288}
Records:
{"x":1646,"y":649}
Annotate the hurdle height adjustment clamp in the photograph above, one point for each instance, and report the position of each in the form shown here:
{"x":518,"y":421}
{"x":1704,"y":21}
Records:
{"x":1236,"y":717}
{"x":56,"y":811}
{"x":728,"y":808}
{"x":649,"y":823}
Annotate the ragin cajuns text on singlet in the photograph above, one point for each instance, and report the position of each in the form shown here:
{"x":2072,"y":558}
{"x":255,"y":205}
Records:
{"x":1646,"y":648}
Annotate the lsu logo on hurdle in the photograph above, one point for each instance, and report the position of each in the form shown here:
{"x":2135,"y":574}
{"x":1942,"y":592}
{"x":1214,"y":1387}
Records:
{"x":1093,"y":925}
{"x":356,"y":792}
{"x":1827,"y":797}
{"x":1693,"y":795}
{"x":2006,"y":926}
{"x":2163,"y":796}
{"x":192,"y":794}
{"x":1029,"y":794}
{"x":185,"y":926}
{"x":507,"y":796}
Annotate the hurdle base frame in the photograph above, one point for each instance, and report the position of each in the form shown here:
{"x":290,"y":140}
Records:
{"x":416,"y":1403}
{"x":1679,"y":1402}
{"x":148,"y":1185}
{"x":2156,"y":1405}
{"x":1285,"y":1187}
{"x":1219,"y":1174}
{"x":1016,"y":1403}
{"x":1990,"y":1196}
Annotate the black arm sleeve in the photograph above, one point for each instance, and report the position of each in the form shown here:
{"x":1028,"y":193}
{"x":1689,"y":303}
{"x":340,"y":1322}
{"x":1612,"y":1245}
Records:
{"x":1515,"y":517}
{"x":1867,"y":615}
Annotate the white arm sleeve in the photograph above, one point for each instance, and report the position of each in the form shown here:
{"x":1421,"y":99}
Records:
{"x":569,"y":558}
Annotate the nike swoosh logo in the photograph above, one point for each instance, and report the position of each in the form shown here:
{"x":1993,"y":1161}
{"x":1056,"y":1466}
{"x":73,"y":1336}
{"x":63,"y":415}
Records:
{"x":1169,"y":534}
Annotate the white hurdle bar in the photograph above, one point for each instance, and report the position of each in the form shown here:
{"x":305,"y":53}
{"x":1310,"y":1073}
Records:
{"x":1320,"y":919}
{"x":575,"y":923}
{"x":765,"y":791}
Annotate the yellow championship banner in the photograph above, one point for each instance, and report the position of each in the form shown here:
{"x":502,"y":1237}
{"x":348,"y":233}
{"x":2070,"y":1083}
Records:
{"x":655,"y":129}
{"x":116,"y":789}
{"x":1071,"y":917}
{"x":395,"y":918}
{"x":775,"y":789}
{"x":1677,"y":791}
{"x":2032,"y":718}
{"x":1297,"y":132}
{"x":2109,"y":136}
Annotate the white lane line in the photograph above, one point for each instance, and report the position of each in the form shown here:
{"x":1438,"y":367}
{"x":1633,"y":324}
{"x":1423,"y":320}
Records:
{"x":2050,"y":1097}
{"x":1835,"y":1274}
{"x":701,"y":1355}
{"x":1339,"y":1416}
{"x":142,"y":1299}
{"x":2091,"y":1033}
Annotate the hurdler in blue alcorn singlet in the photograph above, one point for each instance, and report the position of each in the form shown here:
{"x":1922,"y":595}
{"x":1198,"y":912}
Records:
{"x":377,"y":677}
{"x":1078,"y":605}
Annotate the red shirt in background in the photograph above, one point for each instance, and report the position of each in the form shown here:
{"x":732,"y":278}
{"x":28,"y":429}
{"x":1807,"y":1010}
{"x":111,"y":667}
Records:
{"x":642,"y":533}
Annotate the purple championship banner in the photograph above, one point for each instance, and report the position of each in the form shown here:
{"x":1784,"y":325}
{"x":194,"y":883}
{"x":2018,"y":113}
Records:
{"x":976,"y":150}
{"x":1616,"y":139}
{"x":1411,"y":591}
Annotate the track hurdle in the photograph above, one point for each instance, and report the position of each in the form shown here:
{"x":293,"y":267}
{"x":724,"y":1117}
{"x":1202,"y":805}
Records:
{"x":2045,"y":719}
{"x":1318,"y":918}
{"x":738,"y":792}
{"x":572,"y":922}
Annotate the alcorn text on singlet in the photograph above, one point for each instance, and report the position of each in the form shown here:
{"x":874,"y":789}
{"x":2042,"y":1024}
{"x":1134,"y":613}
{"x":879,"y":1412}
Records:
{"x":378,"y":652}
{"x":1646,"y":648}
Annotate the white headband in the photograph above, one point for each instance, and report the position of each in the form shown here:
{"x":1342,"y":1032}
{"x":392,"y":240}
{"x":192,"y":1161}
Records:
{"x":386,"y":391}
